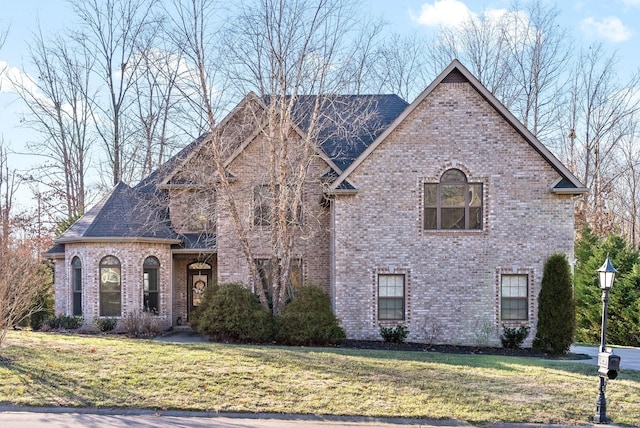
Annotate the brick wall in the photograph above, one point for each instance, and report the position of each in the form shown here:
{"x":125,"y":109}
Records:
{"x":131,"y":256}
{"x":452,"y":277}
{"x":312,"y":243}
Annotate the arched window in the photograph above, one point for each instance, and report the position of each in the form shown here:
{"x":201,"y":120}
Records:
{"x":453,"y":203}
{"x":110,"y":287}
{"x":76,"y":285}
{"x":150,"y":299}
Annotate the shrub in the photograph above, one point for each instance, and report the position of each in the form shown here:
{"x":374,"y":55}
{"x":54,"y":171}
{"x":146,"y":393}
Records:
{"x":38,"y":319}
{"x":230,"y":312}
{"x":65,"y":322}
{"x":556,"y":308}
{"x":53,"y":323}
{"x":44,"y":302}
{"x":512,"y":337}
{"x":308,"y":320}
{"x":105,"y":324}
{"x":397,"y":334}
{"x":141,"y":324}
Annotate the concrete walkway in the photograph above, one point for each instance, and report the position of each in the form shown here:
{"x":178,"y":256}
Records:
{"x":25,"y":417}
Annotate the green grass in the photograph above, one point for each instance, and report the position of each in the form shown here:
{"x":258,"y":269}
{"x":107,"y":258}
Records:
{"x":46,"y":369}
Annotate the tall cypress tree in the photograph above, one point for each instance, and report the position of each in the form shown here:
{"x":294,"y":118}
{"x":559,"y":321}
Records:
{"x":556,"y":308}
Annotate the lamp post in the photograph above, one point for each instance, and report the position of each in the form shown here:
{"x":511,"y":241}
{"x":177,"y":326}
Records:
{"x":606,"y":275}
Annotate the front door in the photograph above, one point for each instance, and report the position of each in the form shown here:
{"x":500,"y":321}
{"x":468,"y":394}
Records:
{"x":198,"y":279}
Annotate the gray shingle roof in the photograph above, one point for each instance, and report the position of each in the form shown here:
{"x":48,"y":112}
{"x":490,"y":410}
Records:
{"x":348,"y":125}
{"x":192,"y":241}
{"x":123,"y":213}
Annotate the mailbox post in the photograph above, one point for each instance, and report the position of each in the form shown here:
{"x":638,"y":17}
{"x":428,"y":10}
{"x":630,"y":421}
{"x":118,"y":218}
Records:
{"x":609,"y":364}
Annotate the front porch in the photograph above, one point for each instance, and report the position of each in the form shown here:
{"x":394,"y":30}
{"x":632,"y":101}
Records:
{"x":192,"y":274}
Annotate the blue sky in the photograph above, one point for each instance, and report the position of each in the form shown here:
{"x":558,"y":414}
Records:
{"x":615,"y":23}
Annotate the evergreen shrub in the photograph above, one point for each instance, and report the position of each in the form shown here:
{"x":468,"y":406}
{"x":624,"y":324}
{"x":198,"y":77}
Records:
{"x":308,"y":320}
{"x":105,"y":324}
{"x":65,"y":322}
{"x":512,"y":337}
{"x":397,"y":334}
{"x":556,"y":308}
{"x":232,"y":313}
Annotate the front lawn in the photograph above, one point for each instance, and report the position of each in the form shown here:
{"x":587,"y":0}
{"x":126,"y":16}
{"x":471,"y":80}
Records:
{"x":47,"y":369}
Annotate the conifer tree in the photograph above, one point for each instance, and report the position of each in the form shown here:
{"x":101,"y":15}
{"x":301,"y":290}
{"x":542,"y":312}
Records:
{"x":556,"y":308}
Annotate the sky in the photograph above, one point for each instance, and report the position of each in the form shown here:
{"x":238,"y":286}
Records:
{"x":614,"y":23}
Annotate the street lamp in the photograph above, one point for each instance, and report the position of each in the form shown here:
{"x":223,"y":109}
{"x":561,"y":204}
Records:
{"x":606,"y":275}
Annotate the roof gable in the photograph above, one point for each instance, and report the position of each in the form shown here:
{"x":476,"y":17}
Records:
{"x":345,"y":125}
{"x":457,"y":73}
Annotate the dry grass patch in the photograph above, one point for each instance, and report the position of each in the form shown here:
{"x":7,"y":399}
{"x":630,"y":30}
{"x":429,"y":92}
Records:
{"x":46,"y":369}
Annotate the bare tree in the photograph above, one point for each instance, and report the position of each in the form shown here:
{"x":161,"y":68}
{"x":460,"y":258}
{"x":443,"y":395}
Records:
{"x":3,"y":38}
{"x":112,"y":31}
{"x":22,"y":278}
{"x":481,"y":44}
{"x":292,"y":58}
{"x":60,"y":111}
{"x":520,"y":55}
{"x":401,"y":66}
{"x":10,"y":182}
{"x":626,"y":195}
{"x":598,"y":118}
{"x":155,"y":103}
{"x":539,"y":56}
{"x":362,"y":69}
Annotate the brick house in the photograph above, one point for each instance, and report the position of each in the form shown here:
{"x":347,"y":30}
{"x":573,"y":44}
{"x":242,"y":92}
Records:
{"x":439,"y":216}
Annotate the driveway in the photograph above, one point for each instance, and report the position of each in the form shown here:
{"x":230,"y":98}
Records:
{"x":629,"y":357}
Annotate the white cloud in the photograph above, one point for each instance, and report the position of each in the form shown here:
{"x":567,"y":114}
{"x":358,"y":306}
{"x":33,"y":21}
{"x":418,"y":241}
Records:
{"x":446,"y":13}
{"x":454,"y":14}
{"x":631,"y":2}
{"x":9,"y":75}
{"x":610,"y":28}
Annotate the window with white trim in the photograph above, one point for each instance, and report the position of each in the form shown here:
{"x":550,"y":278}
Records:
{"x":391,"y":297}
{"x":514,"y":291}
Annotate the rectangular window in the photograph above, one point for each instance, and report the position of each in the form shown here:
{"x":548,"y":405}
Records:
{"x":262,"y":200}
{"x":513,"y":302}
{"x":261,"y":203}
{"x":76,"y":279}
{"x":110,"y":297}
{"x":150,"y":297}
{"x":265,"y":272}
{"x":390,"y":297}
